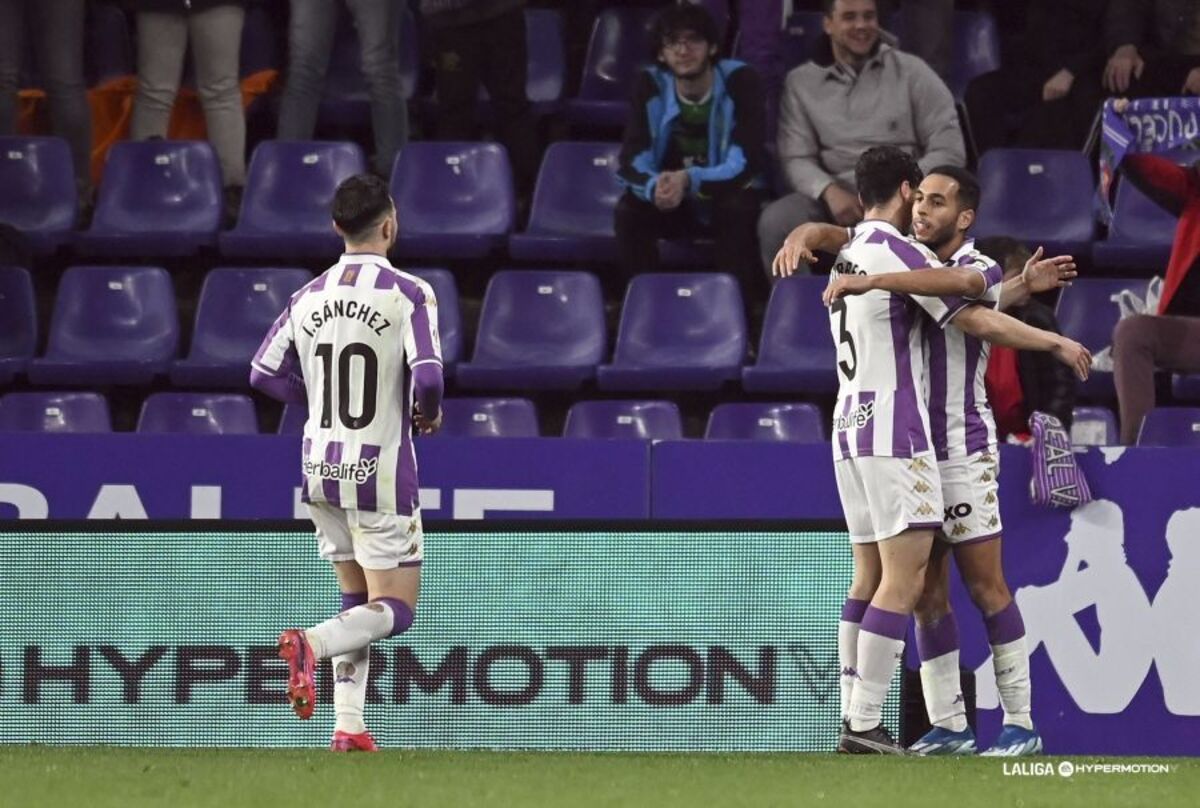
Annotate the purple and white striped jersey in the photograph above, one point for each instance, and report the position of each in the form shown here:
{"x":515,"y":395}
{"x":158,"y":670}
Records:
{"x":960,"y":419}
{"x":353,"y":334}
{"x":881,"y":408}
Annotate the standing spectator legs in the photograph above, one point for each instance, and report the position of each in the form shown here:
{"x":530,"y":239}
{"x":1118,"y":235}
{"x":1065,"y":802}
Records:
{"x":504,"y":75}
{"x":12,"y":36}
{"x":310,"y":42}
{"x":377,"y":23}
{"x":162,"y":43}
{"x":1142,"y":344}
{"x":456,"y":53}
{"x":58,"y":47}
{"x":216,"y":35}
{"x":929,"y":32}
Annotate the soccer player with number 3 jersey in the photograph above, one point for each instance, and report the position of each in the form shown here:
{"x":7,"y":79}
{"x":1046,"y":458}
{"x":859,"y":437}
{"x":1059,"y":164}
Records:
{"x":359,"y":345}
{"x":892,"y":475}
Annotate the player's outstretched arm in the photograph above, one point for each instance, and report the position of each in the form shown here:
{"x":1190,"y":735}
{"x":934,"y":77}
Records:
{"x":1039,"y":275}
{"x":1000,"y":329}
{"x":805,"y":240}
{"x":939,"y":282}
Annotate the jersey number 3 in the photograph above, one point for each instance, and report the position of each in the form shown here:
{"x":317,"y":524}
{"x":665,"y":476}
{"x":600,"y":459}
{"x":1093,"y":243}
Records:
{"x":368,"y":385}
{"x":848,"y":370}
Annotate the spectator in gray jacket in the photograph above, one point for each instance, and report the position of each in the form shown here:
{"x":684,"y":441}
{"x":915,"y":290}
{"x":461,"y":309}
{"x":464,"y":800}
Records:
{"x":858,"y":92}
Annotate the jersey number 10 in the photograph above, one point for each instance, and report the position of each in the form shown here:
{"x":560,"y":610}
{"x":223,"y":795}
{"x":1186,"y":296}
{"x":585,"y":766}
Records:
{"x":370,"y":381}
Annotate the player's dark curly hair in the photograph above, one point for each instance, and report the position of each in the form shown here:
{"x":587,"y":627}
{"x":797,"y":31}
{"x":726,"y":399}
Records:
{"x":968,"y":185}
{"x":880,"y":172}
{"x":359,"y":203}
{"x":675,"y":19}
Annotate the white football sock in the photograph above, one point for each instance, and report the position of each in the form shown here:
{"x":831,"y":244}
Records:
{"x":878,"y":658}
{"x":1011,"y":663}
{"x":350,"y":672}
{"x":942,"y":688}
{"x":351,"y":630}
{"x":847,"y":660}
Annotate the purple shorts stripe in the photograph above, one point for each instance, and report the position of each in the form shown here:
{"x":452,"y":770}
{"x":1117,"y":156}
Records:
{"x":366,"y":491}
{"x":937,"y":638}
{"x":843,"y":435}
{"x":978,"y":539}
{"x":885,"y":623}
{"x":332,"y":488}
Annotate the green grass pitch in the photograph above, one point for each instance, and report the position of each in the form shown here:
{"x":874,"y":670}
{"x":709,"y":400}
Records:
{"x":95,"y":777}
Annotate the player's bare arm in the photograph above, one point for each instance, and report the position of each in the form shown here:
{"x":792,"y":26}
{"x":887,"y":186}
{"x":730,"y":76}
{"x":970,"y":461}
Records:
{"x":1000,"y":329}
{"x":960,"y":281}
{"x":802,"y":244}
{"x":1039,"y":275}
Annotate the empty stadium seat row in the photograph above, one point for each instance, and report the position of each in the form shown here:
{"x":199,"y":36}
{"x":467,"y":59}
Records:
{"x":538,"y":330}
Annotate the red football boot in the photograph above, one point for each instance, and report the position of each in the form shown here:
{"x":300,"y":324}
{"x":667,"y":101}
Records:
{"x":302,"y":669}
{"x":349,"y":742}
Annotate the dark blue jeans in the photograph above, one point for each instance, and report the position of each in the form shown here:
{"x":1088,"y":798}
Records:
{"x":310,"y":43}
{"x":56,"y":39}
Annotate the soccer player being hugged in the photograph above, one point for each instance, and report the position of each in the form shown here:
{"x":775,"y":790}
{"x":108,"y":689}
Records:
{"x":961,"y":295}
{"x":359,"y":345}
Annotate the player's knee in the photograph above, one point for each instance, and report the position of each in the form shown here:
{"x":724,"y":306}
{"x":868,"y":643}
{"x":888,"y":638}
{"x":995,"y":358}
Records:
{"x":1133,"y":333}
{"x":933,"y":604}
{"x":989,"y":594}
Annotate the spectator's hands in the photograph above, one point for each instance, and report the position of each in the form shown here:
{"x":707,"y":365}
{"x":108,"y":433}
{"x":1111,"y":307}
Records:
{"x":669,"y":190}
{"x":1191,"y":85}
{"x":1074,"y":356}
{"x":842,"y":285}
{"x":1124,"y":65}
{"x":793,"y":251}
{"x":1043,"y":274}
{"x":1058,"y":85}
{"x":424,"y":425}
{"x":843,"y":204}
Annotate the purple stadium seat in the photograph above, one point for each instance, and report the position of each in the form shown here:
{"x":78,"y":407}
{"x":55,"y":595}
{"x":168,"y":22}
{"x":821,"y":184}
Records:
{"x":1094,"y":426}
{"x":976,"y":47}
{"x":158,"y":198}
{"x":572,"y":214}
{"x":489,"y":418}
{"x":546,"y":63}
{"x":286,"y":206}
{"x":799,"y":423}
{"x":18,"y":322}
{"x":1186,"y":386}
{"x":449,"y":316}
{"x":1170,"y":426}
{"x":641,"y":420}
{"x":235,"y":311}
{"x":39,"y":196}
{"x":291,"y":422}
{"x":678,"y":331}
{"x":198,"y":414}
{"x":1140,"y":235}
{"x":1039,"y":196}
{"x":796,"y":352}
{"x":347,"y":97}
{"x":1087,"y":312}
{"x":538,"y":330}
{"x":54,"y":412}
{"x":800,"y":37}
{"x":620,"y":45}
{"x":455,"y":200}
{"x":111,"y":325}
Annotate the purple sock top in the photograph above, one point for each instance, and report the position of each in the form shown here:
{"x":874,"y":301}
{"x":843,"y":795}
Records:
{"x":854,"y":609}
{"x":884,"y":623}
{"x":402,"y":615}
{"x":352,"y":599}
{"x":937,"y":638}
{"x":1006,"y":625}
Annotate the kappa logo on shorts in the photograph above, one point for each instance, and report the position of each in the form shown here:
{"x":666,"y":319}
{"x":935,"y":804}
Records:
{"x":993,"y":521}
{"x":990,"y":499}
{"x":985,"y":458}
{"x":925,"y":510}
{"x":922,"y":487}
{"x":918,"y":464}
{"x":412,"y":527}
{"x":985,"y":477}
{"x":959,"y":529}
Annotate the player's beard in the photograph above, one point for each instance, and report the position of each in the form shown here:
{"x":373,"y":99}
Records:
{"x":939,"y":238}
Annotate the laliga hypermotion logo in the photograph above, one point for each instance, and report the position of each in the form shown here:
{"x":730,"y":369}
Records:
{"x":358,"y":472}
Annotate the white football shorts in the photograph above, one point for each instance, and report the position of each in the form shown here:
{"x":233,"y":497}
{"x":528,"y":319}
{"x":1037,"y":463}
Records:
{"x":377,"y":541}
{"x":884,"y":496}
{"x":971,"y":491}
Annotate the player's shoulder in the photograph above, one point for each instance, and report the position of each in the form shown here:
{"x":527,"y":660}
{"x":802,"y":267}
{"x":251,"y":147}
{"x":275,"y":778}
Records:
{"x":414,"y":288}
{"x":889,"y":250}
{"x":968,"y":256}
